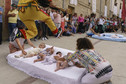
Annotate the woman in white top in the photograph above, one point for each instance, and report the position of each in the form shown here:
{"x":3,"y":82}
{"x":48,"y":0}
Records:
{"x":66,"y":19}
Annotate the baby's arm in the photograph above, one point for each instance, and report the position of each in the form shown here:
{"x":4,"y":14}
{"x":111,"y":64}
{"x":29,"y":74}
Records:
{"x":30,"y":43}
{"x":38,"y":60}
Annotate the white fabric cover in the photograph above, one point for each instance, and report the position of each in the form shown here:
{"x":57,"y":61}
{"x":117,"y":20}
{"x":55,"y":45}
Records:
{"x":70,"y":75}
{"x":109,"y":38}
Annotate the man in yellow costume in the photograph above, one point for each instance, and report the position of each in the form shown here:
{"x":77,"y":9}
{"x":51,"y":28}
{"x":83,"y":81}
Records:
{"x":29,"y":11}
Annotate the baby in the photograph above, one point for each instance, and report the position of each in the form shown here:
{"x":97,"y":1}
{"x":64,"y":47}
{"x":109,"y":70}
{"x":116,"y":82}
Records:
{"x":115,"y":36}
{"x":43,"y":54}
{"x":51,"y":59}
{"x":33,"y":52}
{"x":61,"y":61}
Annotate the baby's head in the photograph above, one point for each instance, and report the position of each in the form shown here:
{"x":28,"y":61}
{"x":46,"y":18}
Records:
{"x":50,"y":50}
{"x":42,"y":45}
{"x":59,"y":53}
{"x":69,"y":53}
{"x":103,"y":34}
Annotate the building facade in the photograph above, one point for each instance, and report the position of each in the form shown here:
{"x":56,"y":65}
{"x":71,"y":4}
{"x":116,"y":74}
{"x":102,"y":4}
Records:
{"x":101,"y":7}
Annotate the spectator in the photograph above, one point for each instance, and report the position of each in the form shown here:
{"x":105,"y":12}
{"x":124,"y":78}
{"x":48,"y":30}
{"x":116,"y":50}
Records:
{"x":122,"y":26}
{"x":12,"y":18}
{"x":66,"y":19}
{"x":74,"y":19}
{"x":80,"y":21}
{"x":1,"y":12}
{"x":62,"y":22}
{"x":91,"y":30}
{"x":51,"y":14}
{"x":100,"y":25}
{"x":57,"y":19}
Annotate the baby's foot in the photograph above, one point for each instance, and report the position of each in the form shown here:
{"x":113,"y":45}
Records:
{"x":57,"y":69}
{"x":16,"y":56}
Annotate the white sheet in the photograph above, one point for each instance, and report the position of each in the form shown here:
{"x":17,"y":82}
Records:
{"x":71,"y":75}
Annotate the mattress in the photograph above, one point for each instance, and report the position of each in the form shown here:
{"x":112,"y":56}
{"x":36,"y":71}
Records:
{"x":107,"y":36}
{"x":70,"y":75}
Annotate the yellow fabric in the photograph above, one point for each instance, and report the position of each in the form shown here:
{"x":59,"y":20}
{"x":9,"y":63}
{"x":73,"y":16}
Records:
{"x":30,"y":15}
{"x":24,"y":1}
{"x":13,"y":19}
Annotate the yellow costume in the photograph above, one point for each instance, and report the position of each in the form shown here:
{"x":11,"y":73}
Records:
{"x":28,"y":13}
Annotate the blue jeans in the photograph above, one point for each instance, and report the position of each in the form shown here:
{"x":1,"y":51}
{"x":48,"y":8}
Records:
{"x":11,"y":26}
{"x":90,"y":34}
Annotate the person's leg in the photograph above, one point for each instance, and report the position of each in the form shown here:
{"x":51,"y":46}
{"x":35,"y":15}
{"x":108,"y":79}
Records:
{"x":32,"y":30}
{"x":0,"y":33}
{"x":58,"y":64}
{"x":31,"y":14}
{"x":43,"y":31}
{"x":10,"y":28}
{"x":35,"y":38}
{"x":12,"y":48}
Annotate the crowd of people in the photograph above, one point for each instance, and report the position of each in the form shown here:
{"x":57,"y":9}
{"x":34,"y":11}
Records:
{"x":67,"y":24}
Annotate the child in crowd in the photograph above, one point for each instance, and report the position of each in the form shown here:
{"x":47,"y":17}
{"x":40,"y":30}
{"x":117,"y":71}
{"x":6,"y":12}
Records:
{"x":33,"y":52}
{"x":68,"y":30}
{"x":43,"y":54}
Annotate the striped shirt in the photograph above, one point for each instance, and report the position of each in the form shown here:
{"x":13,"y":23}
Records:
{"x":87,"y":58}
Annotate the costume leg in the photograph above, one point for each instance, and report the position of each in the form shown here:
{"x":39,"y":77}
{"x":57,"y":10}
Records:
{"x":32,"y":30}
{"x":41,"y":15}
{"x":30,"y":15}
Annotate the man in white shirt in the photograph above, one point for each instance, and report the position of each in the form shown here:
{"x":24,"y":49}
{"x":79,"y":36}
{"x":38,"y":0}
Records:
{"x":100,"y":25}
{"x":51,"y":14}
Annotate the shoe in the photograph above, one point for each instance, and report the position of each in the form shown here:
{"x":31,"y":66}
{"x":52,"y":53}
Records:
{"x":43,"y":38}
{"x":15,"y":34}
{"x":46,"y":38}
{"x":55,"y":32}
{"x":35,"y":39}
{"x":59,"y":32}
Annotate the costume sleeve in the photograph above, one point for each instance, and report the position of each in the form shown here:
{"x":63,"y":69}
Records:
{"x":50,"y":0}
{"x":25,"y":1}
{"x":72,"y":57}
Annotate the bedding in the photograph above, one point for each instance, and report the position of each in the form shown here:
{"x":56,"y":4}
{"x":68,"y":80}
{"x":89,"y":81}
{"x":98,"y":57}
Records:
{"x":70,"y":75}
{"x":110,"y":37}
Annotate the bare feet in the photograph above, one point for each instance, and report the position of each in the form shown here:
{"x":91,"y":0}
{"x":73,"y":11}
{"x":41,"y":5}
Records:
{"x":57,"y":69}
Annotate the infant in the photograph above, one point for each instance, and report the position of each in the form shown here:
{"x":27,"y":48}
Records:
{"x":44,"y":54}
{"x":32,"y":52}
{"x":61,"y":64}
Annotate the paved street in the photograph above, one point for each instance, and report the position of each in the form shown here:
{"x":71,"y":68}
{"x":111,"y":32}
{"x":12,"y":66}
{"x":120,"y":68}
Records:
{"x":115,"y":52}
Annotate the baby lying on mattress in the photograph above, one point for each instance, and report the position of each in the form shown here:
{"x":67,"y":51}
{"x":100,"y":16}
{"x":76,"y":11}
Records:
{"x":32,"y":52}
{"x":113,"y":36}
{"x":60,"y":61}
{"x":43,"y":55}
